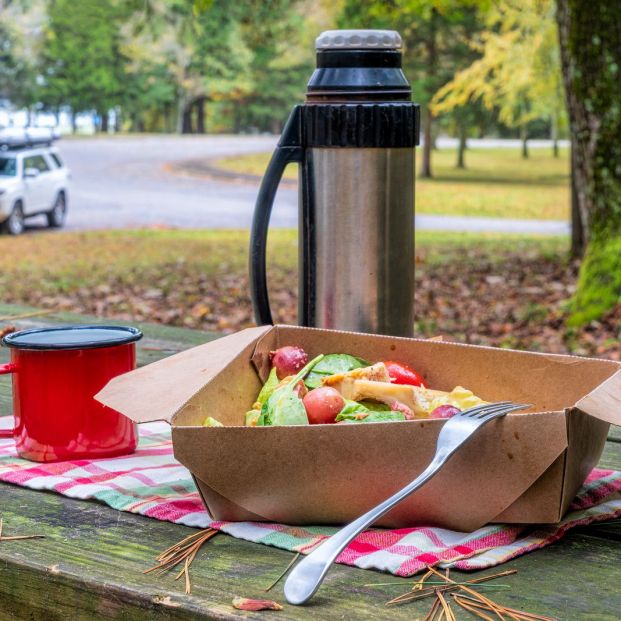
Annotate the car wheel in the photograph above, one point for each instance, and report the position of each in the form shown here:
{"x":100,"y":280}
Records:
{"x":14,"y":224}
{"x":56,"y":217}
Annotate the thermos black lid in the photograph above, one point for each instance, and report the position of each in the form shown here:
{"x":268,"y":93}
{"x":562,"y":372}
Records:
{"x":358,"y":65}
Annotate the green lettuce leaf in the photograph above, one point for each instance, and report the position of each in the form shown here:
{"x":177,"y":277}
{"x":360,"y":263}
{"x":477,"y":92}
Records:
{"x":269,"y":387}
{"x":212,"y":422}
{"x":331,"y":364}
{"x":252,"y":418}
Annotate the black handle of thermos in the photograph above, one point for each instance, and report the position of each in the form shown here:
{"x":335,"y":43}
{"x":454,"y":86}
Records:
{"x":287,"y":151}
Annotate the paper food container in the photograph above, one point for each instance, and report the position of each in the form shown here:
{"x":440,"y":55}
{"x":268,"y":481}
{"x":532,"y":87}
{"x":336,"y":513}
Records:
{"x":523,"y":468}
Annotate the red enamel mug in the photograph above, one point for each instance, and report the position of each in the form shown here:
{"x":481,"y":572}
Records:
{"x":56,"y":372}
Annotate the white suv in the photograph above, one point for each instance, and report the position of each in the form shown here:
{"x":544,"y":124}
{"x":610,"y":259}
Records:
{"x":33,"y":181}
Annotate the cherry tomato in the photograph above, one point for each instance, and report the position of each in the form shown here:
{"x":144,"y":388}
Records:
{"x":322,"y":405}
{"x":402,"y":374}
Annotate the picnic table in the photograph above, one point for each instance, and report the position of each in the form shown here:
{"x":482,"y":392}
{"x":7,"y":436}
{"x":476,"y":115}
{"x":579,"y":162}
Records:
{"x":90,"y":563}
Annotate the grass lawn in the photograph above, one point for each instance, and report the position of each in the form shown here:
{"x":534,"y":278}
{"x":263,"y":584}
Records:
{"x":497,"y":183}
{"x":503,"y":290}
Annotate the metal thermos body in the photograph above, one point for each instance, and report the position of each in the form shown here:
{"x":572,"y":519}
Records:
{"x":354,"y":139}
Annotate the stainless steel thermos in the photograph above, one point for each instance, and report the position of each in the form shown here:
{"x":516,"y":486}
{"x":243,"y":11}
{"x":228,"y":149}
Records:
{"x":354,"y":140}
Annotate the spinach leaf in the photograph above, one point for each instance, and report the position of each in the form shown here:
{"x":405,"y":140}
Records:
{"x":331,"y":364}
{"x":351,"y":411}
{"x":383,"y":417}
{"x":355,"y":412}
{"x":373,"y":417}
{"x":284,"y":407}
{"x":289,"y":410}
{"x":375,"y":406}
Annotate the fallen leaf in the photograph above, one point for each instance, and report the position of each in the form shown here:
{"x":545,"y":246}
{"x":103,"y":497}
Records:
{"x":7,"y":330}
{"x":243,"y":603}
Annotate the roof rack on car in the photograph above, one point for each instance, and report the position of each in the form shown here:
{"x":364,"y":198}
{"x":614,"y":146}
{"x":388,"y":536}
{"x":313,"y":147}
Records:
{"x":24,"y":137}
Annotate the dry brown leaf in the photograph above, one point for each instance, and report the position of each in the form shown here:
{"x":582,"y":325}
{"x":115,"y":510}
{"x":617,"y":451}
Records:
{"x":244,"y":603}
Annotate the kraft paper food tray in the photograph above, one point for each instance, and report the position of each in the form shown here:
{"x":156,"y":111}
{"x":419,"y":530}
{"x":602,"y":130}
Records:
{"x":523,"y":468}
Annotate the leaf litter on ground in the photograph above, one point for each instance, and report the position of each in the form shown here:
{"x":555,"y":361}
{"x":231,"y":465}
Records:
{"x":505,"y":291}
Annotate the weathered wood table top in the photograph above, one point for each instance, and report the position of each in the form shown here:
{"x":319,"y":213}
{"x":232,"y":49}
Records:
{"x":90,"y":563}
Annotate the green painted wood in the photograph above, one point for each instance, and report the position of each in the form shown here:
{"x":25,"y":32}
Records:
{"x":611,"y":457}
{"x":615,"y":434}
{"x":90,"y":566}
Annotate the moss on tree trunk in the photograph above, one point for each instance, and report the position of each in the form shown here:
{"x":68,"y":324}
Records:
{"x":590,"y":38}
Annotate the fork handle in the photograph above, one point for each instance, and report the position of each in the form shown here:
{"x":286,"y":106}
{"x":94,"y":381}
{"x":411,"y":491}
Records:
{"x":306,"y":577}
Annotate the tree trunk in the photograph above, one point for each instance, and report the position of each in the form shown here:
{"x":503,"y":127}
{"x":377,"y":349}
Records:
{"x":590,"y":42}
{"x":181,"y":108}
{"x":461,"y":149}
{"x":199,"y":104}
{"x":105,"y":121}
{"x":425,"y":169}
{"x":577,"y":234}
{"x":186,"y":124}
{"x":554,"y":134}
{"x":74,"y":122}
{"x":524,"y":139}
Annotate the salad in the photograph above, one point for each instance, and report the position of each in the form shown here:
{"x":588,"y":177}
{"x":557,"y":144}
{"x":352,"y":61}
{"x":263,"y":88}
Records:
{"x":344,"y":389}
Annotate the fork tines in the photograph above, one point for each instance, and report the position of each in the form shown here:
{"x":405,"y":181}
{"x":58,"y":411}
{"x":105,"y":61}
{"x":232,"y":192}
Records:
{"x":492,"y":409}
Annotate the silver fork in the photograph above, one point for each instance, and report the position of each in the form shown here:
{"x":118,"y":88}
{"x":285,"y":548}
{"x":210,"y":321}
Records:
{"x":307,"y":576}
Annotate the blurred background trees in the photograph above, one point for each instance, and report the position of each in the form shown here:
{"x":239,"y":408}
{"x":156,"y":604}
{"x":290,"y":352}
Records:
{"x":196,"y":66}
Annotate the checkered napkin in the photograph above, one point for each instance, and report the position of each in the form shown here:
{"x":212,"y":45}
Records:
{"x":150,"y":482}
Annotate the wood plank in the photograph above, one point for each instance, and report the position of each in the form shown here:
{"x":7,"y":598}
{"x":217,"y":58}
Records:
{"x":90,"y":566}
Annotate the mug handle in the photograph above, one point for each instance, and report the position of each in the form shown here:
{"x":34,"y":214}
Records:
{"x":5,"y":369}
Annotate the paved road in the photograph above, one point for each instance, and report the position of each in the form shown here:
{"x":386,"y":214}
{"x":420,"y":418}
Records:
{"x":124,"y":182}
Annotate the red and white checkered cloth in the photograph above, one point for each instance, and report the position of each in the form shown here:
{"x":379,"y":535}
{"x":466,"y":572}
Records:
{"x":150,"y":482}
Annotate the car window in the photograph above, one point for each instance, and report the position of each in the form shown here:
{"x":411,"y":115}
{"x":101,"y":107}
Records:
{"x":8,"y":166}
{"x":36,"y":161}
{"x":56,"y":159}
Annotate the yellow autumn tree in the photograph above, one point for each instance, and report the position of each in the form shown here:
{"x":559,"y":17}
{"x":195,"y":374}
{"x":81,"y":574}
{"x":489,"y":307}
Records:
{"x":518,"y":70}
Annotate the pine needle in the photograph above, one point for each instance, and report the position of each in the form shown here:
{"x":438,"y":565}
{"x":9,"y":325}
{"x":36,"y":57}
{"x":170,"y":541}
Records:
{"x":184,"y":551}
{"x":448,"y":613}
{"x":16,"y":537}
{"x":289,"y":566}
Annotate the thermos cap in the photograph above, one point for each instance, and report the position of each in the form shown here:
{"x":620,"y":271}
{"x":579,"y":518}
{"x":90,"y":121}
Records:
{"x":358,"y":40}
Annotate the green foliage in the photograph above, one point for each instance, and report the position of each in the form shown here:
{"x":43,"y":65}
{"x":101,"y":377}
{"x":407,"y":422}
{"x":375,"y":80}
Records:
{"x":17,"y":72}
{"x":447,"y":25}
{"x":81,"y":62}
{"x":159,"y":63}
{"x":599,"y":284}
